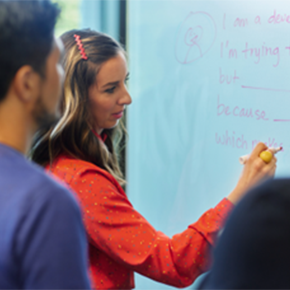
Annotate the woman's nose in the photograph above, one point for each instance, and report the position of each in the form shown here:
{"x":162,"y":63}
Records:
{"x":126,"y":98}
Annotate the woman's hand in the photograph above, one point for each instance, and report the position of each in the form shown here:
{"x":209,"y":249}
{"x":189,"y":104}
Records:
{"x":255,"y":170}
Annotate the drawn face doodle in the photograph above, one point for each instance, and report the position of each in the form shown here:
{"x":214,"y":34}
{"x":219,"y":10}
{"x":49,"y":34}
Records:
{"x":195,"y":37}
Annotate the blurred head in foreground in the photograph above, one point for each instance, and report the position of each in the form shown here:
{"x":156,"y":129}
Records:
{"x":253,"y":251}
{"x":30,"y":73}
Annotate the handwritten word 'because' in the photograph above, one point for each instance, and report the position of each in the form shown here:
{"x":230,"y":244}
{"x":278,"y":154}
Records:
{"x":236,"y":111}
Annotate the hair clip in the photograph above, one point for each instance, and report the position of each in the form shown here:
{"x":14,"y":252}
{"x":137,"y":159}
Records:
{"x":80,"y":46}
{"x":102,"y":137}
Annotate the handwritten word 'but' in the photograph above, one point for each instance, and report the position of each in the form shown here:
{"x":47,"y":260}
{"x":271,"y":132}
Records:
{"x":227,"y":79}
{"x":223,"y":109}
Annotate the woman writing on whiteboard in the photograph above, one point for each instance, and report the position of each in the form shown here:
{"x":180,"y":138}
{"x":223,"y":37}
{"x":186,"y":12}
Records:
{"x":80,"y":150}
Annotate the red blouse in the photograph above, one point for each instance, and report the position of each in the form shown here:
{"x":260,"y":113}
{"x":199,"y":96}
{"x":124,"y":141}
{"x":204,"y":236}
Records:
{"x":122,"y":241}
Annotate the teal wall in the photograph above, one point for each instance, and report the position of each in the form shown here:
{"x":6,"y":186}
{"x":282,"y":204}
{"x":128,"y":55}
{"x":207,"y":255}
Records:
{"x":101,"y":15}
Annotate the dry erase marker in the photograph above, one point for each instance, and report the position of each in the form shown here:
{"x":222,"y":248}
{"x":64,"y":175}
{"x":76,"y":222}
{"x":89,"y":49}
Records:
{"x":265,"y":155}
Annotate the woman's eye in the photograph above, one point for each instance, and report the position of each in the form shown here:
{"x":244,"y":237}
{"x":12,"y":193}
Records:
{"x":110,"y":90}
{"x":127,"y":78}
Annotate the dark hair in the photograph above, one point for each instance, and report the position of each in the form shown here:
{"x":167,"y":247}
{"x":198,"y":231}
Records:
{"x":73,"y":133}
{"x":253,"y":251}
{"x":26,"y":37}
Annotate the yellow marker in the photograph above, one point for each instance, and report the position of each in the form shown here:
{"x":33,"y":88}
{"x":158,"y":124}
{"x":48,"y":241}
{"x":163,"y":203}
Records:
{"x":265,"y":155}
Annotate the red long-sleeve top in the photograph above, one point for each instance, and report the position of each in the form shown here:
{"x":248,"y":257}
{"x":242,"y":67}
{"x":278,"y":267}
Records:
{"x":122,"y":241}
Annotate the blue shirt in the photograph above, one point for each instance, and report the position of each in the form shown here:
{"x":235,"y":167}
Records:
{"x":42,"y":238}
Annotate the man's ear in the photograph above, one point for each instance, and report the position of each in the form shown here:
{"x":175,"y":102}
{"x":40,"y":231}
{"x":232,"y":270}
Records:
{"x":26,"y":84}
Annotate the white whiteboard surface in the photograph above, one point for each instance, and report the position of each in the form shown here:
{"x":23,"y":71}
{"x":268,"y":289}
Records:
{"x":209,"y":79}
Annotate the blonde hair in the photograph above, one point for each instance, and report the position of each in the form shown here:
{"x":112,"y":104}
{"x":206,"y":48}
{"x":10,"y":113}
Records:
{"x":72,"y":134}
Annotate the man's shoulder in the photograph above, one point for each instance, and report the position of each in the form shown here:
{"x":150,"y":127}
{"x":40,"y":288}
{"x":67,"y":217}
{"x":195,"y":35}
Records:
{"x":50,"y":189}
{"x":26,"y":180}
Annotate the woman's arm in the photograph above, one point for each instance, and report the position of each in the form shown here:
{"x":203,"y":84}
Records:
{"x":117,"y":229}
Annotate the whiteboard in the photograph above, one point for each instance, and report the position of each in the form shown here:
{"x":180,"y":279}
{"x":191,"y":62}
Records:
{"x":209,"y":79}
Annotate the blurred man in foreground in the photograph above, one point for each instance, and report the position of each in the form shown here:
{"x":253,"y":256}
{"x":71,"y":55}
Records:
{"x":42,"y":238}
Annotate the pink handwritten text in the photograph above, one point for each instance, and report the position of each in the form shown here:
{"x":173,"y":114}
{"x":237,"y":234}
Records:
{"x":236,"y":111}
{"x":278,"y":18}
{"x":227,"y":79}
{"x":271,"y":142}
{"x":230,"y":139}
{"x":263,"y":51}
{"x":241,"y":22}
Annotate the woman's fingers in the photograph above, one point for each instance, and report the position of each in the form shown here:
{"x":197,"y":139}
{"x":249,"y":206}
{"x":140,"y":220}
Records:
{"x":255,"y":170}
{"x":258,"y":149}
{"x":271,"y":167}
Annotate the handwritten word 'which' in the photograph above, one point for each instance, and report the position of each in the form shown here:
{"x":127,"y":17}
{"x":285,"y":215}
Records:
{"x":239,"y":141}
{"x":231,"y":140}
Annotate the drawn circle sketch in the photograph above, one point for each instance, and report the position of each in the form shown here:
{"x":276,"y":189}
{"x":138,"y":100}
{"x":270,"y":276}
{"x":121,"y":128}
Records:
{"x":195,"y":37}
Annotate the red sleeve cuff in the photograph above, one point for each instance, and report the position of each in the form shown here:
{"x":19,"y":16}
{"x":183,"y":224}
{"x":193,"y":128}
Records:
{"x":224,"y":208}
{"x":213,"y":220}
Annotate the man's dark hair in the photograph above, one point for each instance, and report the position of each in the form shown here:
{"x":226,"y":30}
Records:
{"x":26,"y":37}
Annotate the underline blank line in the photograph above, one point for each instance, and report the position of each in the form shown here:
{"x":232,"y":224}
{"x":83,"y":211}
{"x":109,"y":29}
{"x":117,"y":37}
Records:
{"x":265,"y":89}
{"x":281,"y":120}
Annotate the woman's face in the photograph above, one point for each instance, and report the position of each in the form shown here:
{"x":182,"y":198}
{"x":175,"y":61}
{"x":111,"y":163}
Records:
{"x":108,"y":96}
